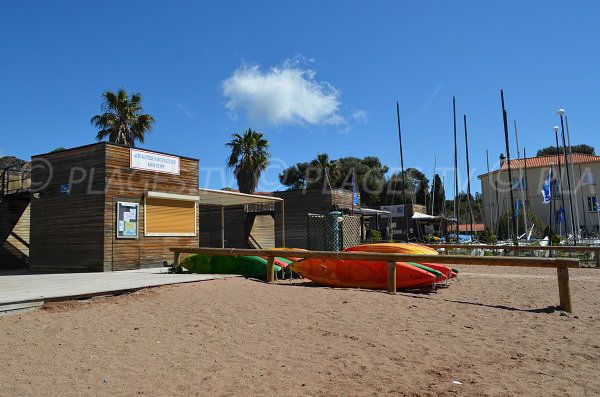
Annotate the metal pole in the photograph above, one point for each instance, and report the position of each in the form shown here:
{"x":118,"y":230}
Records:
{"x":562,"y":130}
{"x":512,"y":199}
{"x":487,"y":160}
{"x":573,"y":178}
{"x":433,"y":185}
{"x":551,"y":210}
{"x":521,"y":182}
{"x":222,"y":227}
{"x":282,"y":223}
{"x":468,"y":178}
{"x":455,"y":169}
{"x":526,"y":180}
{"x":562,"y":198}
{"x":402,"y":170}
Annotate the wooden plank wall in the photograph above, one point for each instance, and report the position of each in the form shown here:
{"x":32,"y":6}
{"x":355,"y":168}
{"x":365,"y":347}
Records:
{"x":126,"y":184}
{"x":210,"y":226}
{"x":14,"y":233}
{"x":67,"y":231}
{"x":263,"y":230}
{"x":77,"y":232}
{"x":298,"y":203}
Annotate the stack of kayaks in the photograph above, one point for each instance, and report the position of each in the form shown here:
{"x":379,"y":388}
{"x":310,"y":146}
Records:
{"x":373,"y":274}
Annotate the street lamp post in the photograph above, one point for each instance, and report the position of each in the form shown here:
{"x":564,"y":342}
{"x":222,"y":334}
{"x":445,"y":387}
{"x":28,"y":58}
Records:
{"x":561,"y":113}
{"x":562,"y":197}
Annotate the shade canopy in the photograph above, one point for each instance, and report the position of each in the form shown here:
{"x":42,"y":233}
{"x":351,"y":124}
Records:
{"x":225,"y":198}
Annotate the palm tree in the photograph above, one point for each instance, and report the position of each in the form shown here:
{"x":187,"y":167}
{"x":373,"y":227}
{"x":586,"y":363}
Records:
{"x":323,"y":172}
{"x":121,"y":121}
{"x":249,"y":158}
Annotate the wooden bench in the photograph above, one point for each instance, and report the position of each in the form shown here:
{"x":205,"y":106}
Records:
{"x":562,"y":265}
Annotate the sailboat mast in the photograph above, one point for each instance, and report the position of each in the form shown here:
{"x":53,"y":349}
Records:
{"x":512,"y":198}
{"x":455,"y":168}
{"x":468,"y":177}
{"x":402,"y":171}
{"x":523,"y":198}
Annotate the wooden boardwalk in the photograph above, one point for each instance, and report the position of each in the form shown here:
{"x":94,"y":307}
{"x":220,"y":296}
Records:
{"x":24,"y":291}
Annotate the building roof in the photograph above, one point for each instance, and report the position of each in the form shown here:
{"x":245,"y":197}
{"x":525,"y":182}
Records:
{"x":544,"y":161}
{"x":225,"y":198}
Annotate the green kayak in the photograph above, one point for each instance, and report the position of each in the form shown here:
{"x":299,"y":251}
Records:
{"x":247,"y":266}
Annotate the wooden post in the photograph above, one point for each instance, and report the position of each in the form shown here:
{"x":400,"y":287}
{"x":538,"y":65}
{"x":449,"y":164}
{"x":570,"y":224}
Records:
{"x":564,"y":290}
{"x":391,"y":278}
{"x":176,"y":257}
{"x":270,"y":269}
{"x":598,"y":258}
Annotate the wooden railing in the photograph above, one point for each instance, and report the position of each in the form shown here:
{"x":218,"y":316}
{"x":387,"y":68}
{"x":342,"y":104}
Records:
{"x":14,"y":180}
{"x":565,"y":248}
{"x":562,"y":265}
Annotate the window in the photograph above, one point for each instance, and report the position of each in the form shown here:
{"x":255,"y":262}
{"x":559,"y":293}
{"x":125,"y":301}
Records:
{"x":519,"y":183}
{"x":588,"y":177}
{"x":169,"y":217}
{"x":592,"y":203}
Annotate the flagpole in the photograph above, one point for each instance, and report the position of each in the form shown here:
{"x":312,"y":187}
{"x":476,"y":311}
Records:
{"x":562,"y":196}
{"x":402,"y":170}
{"x":550,"y":177}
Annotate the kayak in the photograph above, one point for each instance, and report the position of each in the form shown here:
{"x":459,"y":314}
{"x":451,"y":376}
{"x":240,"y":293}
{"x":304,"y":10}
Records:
{"x":247,"y":266}
{"x":361,"y":274}
{"x":409,"y":248}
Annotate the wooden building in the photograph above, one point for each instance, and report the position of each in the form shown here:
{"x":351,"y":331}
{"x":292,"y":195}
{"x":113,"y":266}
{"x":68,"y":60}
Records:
{"x":14,"y":217}
{"x":298,"y":204}
{"x":105,"y":207}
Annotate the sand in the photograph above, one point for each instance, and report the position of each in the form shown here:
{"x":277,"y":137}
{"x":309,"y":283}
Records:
{"x":494,"y":332}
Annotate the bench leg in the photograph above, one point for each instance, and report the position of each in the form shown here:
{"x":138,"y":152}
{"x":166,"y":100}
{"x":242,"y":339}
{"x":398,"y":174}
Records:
{"x":564,"y":290}
{"x":391,"y":278}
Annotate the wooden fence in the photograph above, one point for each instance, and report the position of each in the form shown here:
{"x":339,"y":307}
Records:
{"x":562,"y":265}
{"x":565,"y":248}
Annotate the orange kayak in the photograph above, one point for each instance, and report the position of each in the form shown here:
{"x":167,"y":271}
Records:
{"x":360,"y":274}
{"x":405,"y":248}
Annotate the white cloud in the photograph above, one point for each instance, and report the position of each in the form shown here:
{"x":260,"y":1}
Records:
{"x":360,"y":116}
{"x":284,"y":94}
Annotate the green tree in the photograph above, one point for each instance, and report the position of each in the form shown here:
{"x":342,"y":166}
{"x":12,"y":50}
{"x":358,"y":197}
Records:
{"x":438,"y":196}
{"x":463,"y":208}
{"x":422,"y":193}
{"x":505,"y":224}
{"x":249,"y":158}
{"x":294,"y":177}
{"x":370,"y":178}
{"x":551,"y":150}
{"x":122,"y":121}
{"x":322,"y":169}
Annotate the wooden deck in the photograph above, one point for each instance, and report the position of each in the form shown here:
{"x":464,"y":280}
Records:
{"x":24,"y":291}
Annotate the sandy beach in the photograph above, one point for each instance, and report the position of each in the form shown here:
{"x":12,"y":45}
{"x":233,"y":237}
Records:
{"x":494,"y":332}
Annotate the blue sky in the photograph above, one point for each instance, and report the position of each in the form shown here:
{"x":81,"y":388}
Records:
{"x":313,"y":76}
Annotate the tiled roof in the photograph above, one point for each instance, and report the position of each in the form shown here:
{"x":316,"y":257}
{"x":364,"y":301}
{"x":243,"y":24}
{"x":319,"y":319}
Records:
{"x":545,"y":161}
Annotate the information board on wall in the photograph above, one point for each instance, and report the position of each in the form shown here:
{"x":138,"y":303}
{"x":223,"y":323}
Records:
{"x":156,"y":162}
{"x":127,"y":219}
